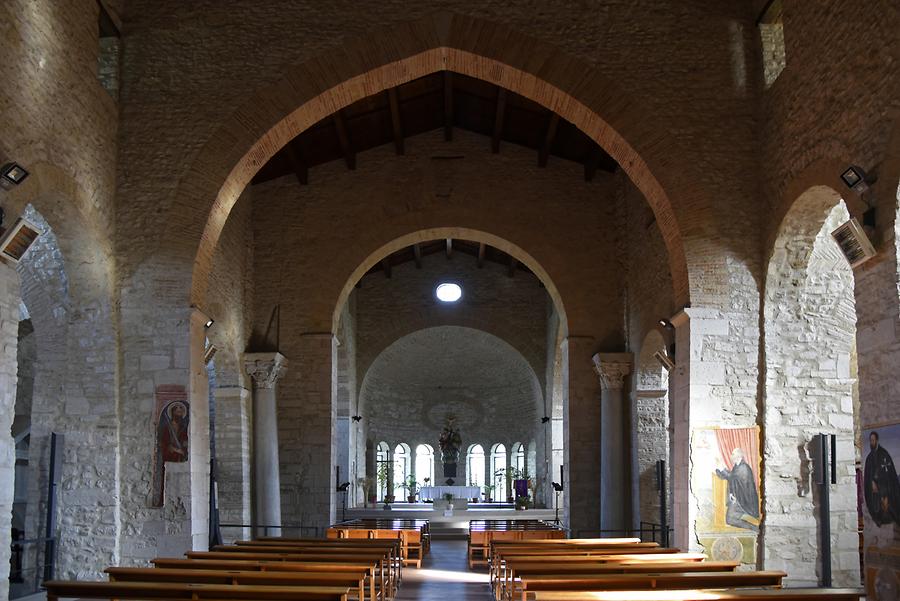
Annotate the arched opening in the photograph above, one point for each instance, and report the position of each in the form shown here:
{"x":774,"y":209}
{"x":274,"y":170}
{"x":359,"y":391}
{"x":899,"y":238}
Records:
{"x":424,"y":464}
{"x":402,"y":466}
{"x":475,"y":466}
{"x":811,"y":387}
{"x":518,"y":462}
{"x":383,"y":470}
{"x":498,"y":471}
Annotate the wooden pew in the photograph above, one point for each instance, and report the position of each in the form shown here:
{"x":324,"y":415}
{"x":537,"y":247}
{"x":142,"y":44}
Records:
{"x":413,"y":534}
{"x":633,"y":582}
{"x":785,"y":594}
{"x":370,"y":568}
{"x":354,"y":580}
{"x":387,"y":579}
{"x":601,"y":568}
{"x":484,"y":532}
{"x":151,"y":591}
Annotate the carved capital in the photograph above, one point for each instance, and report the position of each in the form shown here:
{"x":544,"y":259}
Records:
{"x":612,"y":369}
{"x":264,"y":368}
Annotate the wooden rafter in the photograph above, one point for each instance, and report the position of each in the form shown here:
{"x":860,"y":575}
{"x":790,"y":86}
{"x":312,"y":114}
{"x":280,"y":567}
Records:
{"x":499,"y":114}
{"x":396,"y":123}
{"x":297,"y":164}
{"x":544,"y":152}
{"x":448,"y":106}
{"x":482,"y":250}
{"x":417,"y":255}
{"x":344,"y":138}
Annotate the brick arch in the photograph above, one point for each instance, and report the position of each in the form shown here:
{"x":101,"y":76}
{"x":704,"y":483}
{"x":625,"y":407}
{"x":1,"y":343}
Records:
{"x":358,"y":68}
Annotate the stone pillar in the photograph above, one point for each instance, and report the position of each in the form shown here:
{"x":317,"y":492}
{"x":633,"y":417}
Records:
{"x":698,"y":396}
{"x":198,"y":449}
{"x":9,"y":310}
{"x":234,"y":420}
{"x":265,"y":369}
{"x":612,"y":369}
{"x":581,"y":423}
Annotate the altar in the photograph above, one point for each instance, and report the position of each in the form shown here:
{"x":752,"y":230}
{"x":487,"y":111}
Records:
{"x":430,"y":493}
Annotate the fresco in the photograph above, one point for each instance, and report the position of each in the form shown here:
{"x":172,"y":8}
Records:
{"x":725,"y":481}
{"x":172,"y":427}
{"x":881,"y":502}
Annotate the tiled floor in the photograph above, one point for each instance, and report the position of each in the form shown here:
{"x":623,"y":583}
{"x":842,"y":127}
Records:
{"x":444,"y":575}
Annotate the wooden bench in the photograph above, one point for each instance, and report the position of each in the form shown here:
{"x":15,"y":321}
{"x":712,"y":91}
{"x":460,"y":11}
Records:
{"x":413,"y":535}
{"x":597,"y":569}
{"x":354,"y":580}
{"x":370,"y":568}
{"x":482,"y":533}
{"x":785,"y":594}
{"x":152,"y":591}
{"x":633,"y":582}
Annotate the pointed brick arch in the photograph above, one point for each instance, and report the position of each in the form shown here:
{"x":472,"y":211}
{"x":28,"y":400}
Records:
{"x":359,"y":68}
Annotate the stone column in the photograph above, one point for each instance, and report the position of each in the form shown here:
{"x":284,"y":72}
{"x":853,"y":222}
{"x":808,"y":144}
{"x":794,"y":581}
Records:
{"x":612,"y":369}
{"x":581,"y":423}
{"x":233,"y":455}
{"x":265,"y":369}
{"x":9,"y":310}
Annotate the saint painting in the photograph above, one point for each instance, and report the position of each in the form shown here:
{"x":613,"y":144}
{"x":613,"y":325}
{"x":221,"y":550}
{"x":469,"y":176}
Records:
{"x":172,"y":429}
{"x":881,"y":487}
{"x":742,"y":502}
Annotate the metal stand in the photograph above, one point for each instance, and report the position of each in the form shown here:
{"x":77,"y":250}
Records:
{"x":56,"y":447}
{"x":827,"y":476}
{"x":663,"y":513}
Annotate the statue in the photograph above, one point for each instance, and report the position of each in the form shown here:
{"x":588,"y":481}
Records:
{"x":449,"y":443}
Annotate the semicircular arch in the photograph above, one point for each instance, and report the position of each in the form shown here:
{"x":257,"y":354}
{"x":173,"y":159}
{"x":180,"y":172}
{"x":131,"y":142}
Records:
{"x":309,"y":92}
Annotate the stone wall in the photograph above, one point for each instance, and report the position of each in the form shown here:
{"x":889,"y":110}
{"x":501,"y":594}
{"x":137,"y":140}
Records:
{"x":810,"y":388}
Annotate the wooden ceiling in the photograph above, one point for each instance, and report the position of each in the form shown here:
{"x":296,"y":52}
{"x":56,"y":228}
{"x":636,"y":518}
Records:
{"x":477,"y":252}
{"x":442,"y":100}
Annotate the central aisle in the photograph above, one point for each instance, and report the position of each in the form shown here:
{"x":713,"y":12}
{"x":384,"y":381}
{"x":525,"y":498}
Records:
{"x":444,"y":575}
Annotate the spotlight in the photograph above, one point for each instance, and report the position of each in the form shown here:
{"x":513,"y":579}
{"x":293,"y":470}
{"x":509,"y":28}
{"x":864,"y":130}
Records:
{"x":343,"y":487}
{"x":855,"y":179}
{"x":13,"y":173}
{"x":356,"y":418}
{"x":545,"y":419}
{"x":557,"y":486}
{"x":209,"y":323}
{"x":665,"y":323}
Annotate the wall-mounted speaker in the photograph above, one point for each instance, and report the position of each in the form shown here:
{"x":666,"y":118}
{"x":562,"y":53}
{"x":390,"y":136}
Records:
{"x":853,"y":242}
{"x":18,"y":239}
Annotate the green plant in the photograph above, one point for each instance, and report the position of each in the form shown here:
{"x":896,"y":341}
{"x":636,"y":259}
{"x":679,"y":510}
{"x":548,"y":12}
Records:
{"x":448,"y":496}
{"x":410,"y":485}
{"x":522,"y":501}
{"x":366,"y":484}
{"x":384,"y":478}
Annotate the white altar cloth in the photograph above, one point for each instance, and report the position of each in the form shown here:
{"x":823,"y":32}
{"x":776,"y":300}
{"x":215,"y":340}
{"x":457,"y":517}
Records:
{"x":430,"y":493}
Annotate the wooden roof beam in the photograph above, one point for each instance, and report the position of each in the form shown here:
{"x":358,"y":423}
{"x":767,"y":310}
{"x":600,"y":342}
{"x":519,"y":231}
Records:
{"x":449,"y":247}
{"x":592,"y":163}
{"x":448,"y":106}
{"x":396,"y":124}
{"x":301,"y":170}
{"x":482,"y":250}
{"x":499,"y":114}
{"x":344,"y":138}
{"x":417,"y":255}
{"x":544,"y":152}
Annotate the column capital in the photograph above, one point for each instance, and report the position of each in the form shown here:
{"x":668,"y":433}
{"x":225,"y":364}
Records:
{"x":612,"y":368}
{"x":694,"y":313}
{"x":264,"y":368}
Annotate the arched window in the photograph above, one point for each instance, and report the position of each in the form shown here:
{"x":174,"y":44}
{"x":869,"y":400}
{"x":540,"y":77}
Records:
{"x":475,"y":465}
{"x":382,"y":468}
{"x":531,"y":459}
{"x":518,"y":459}
{"x":402,"y":466}
{"x":424,"y":464}
{"x":498,"y":470}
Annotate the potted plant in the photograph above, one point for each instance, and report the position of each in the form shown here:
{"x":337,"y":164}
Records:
{"x":521,"y":503}
{"x":366,"y":484}
{"x":411,"y":487}
{"x":448,"y":496}
{"x":384,"y":480}
{"x":473,"y":484}
{"x":489,"y":493}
